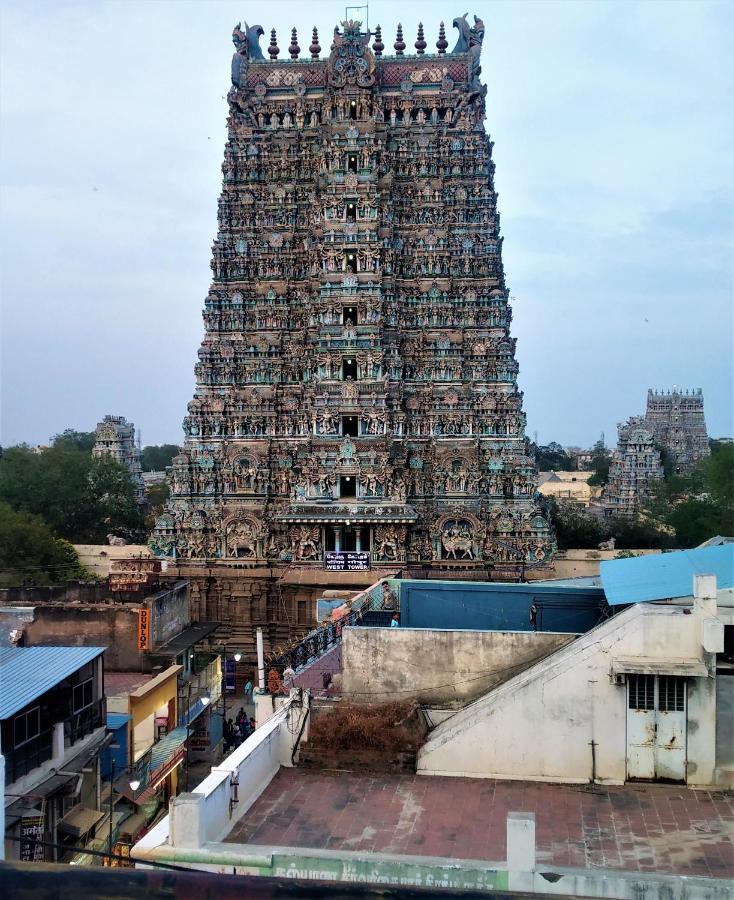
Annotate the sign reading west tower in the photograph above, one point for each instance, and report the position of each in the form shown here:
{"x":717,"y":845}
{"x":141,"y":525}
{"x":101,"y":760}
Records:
{"x":356,"y":386}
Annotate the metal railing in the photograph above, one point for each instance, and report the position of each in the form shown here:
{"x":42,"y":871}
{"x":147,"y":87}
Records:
{"x":322,"y":639}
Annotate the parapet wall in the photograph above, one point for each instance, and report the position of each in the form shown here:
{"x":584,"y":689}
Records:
{"x":436,"y":667}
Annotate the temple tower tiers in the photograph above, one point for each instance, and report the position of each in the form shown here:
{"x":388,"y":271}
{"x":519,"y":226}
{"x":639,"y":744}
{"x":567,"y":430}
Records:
{"x":634,"y":469}
{"x":356,"y":385}
{"x":115,"y":437}
{"x":677,"y":421}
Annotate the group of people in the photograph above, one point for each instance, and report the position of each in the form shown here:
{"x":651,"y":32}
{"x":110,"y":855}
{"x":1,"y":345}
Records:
{"x":238,"y":729}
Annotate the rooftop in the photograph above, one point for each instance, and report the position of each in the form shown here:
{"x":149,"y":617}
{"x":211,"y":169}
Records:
{"x":28,"y":672}
{"x":651,"y":828}
{"x":665,"y":575}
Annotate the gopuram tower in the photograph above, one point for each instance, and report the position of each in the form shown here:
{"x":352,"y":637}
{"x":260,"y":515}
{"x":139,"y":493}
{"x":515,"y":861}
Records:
{"x":356,"y":385}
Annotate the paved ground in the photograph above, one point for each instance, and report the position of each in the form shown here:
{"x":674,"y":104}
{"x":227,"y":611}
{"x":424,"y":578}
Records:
{"x":649,"y":828}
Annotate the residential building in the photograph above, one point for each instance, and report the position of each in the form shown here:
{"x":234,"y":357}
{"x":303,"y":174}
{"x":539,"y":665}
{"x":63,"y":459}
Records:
{"x":570,"y":487}
{"x":52,"y":729}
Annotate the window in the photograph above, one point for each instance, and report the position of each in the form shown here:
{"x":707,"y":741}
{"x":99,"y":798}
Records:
{"x":27,"y":726}
{"x":352,"y":109}
{"x":351,"y":162}
{"x":351,"y":262}
{"x":349,"y":314}
{"x":347,"y":486}
{"x":641,"y":691}
{"x":83,"y":695}
{"x":349,"y":369}
{"x":350,"y":426}
{"x":672,"y":693}
{"x":351,"y":212}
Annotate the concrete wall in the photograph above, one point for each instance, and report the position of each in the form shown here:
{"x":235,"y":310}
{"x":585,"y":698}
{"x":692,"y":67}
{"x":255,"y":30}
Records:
{"x":97,"y":557}
{"x":540,"y":724}
{"x":434,"y":666}
{"x":725,"y":728}
{"x":579,"y":563}
{"x":500,"y":607}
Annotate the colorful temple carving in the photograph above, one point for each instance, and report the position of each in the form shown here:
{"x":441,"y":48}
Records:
{"x":115,"y":437}
{"x":634,"y":470}
{"x":677,"y":421}
{"x":356,"y":386}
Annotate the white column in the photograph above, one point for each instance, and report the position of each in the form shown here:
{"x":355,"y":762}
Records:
{"x":58,"y":742}
{"x":521,"y":842}
{"x":358,"y":544}
{"x":260,"y":660}
{"x":186,"y":821}
{"x":337,"y":537}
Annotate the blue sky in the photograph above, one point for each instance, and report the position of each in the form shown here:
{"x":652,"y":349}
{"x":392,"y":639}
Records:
{"x":614,"y":146}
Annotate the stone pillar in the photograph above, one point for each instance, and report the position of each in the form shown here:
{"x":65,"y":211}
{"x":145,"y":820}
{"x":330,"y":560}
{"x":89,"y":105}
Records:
{"x":358,"y":539}
{"x":521,"y":842}
{"x":337,"y":537}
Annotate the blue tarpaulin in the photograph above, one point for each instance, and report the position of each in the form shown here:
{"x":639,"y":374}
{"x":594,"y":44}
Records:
{"x":665,"y":575}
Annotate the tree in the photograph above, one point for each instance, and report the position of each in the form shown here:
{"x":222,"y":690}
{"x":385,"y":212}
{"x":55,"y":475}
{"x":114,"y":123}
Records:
{"x":600,"y":462}
{"x":30,"y":554}
{"x":695,"y":521}
{"x":74,"y":440}
{"x":156,"y":495}
{"x":156,"y":458}
{"x":553,"y":458}
{"x":81,"y":498}
{"x":575,"y":528}
{"x":718,"y":471}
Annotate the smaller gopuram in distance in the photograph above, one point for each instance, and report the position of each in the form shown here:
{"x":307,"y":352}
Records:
{"x":634,"y":470}
{"x":356,"y":387}
{"x":677,"y":421}
{"x":115,"y":437}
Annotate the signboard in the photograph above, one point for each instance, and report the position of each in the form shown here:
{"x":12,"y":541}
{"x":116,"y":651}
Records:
{"x":31,"y":830}
{"x":143,"y":628}
{"x":347,"y":561}
{"x":229,"y":676}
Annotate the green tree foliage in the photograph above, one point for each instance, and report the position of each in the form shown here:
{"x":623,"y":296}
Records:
{"x":553,"y":458}
{"x":74,"y":440}
{"x":156,"y":457}
{"x":82,"y":499}
{"x":156,"y":496}
{"x":600,"y":461}
{"x":575,"y":527}
{"x":30,"y":554}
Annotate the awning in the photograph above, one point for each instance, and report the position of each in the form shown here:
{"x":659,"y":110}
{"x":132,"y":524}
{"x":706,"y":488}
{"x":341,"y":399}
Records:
{"x":132,"y":826}
{"x":185,"y":639}
{"x":80,"y":821}
{"x":645,"y":665}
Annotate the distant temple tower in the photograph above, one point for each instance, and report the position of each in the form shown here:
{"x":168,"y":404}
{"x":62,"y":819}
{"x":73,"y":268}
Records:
{"x":356,"y":386}
{"x":677,"y":421}
{"x":634,"y":469}
{"x":115,"y":437}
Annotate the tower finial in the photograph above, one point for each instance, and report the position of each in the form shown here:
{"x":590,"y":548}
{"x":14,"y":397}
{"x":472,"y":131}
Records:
{"x":399,"y":44}
{"x":420,"y":44}
{"x":273,"y":49}
{"x":442,"y":43}
{"x":294,"y":49}
{"x":314,"y":49}
{"x":378,"y":46}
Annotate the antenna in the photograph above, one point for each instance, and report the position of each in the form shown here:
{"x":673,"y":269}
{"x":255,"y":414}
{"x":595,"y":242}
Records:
{"x":365,"y":6}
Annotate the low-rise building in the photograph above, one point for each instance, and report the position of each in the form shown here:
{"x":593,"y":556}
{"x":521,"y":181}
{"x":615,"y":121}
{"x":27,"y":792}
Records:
{"x":571,"y":487}
{"x":52,"y":729}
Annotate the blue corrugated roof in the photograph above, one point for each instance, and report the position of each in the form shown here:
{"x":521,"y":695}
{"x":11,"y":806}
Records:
{"x":28,"y":672}
{"x":117,"y":720}
{"x":665,"y":575}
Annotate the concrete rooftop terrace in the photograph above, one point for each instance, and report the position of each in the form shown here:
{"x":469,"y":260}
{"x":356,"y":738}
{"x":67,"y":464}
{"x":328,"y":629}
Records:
{"x":643,"y":828}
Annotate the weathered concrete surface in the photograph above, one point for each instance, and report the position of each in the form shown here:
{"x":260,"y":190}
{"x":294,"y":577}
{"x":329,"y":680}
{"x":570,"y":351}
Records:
{"x":436,"y":666}
{"x":645,"y":829}
{"x":578,"y":563}
{"x":97,"y":557}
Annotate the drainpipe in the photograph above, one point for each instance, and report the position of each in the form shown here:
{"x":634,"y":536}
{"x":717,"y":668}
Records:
{"x":260,"y":661}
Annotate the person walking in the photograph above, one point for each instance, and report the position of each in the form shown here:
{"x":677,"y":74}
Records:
{"x":248,"y":691}
{"x":395,"y":622}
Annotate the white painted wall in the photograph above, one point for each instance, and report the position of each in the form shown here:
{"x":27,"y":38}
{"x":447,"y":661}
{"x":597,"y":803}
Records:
{"x":539,"y":724}
{"x":205,"y":814}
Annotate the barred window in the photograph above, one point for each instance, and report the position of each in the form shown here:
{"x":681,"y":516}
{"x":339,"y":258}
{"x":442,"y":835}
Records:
{"x":672,"y":693}
{"x":641,"y":691}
